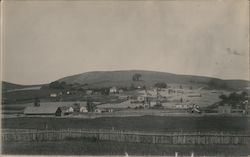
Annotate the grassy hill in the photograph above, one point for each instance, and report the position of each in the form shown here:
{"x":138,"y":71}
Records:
{"x":10,"y":86}
{"x":148,"y":78}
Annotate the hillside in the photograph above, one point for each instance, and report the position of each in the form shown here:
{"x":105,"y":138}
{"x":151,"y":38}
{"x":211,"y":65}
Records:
{"x":99,"y":79}
{"x":10,"y":86}
{"x":148,"y":78}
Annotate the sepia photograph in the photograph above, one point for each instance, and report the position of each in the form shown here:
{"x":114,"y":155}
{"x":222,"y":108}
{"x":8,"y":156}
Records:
{"x":125,"y":78}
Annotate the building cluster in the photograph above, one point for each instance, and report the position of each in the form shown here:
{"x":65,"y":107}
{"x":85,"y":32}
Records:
{"x":242,"y":108}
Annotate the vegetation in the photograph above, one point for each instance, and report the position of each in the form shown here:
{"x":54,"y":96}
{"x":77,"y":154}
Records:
{"x":37,"y":102}
{"x":96,"y":147}
{"x":136,"y":77}
{"x":218,"y":84}
{"x":58,"y":85}
{"x":132,"y":87}
{"x":145,"y":123}
{"x":90,"y":106}
{"x":160,"y":85}
{"x":103,"y":91}
{"x":234,"y":98}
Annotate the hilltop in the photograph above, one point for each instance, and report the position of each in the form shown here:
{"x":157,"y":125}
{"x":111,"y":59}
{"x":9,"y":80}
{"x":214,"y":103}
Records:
{"x":98,"y":79}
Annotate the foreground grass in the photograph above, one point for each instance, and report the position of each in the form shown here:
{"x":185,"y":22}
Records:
{"x":94,"y":147}
{"x":144,"y":123}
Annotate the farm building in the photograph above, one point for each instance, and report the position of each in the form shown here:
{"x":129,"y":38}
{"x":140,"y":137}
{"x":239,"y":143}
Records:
{"x":226,"y":109}
{"x":43,"y":110}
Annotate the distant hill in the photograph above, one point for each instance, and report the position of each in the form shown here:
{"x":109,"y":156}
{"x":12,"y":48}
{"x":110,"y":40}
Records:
{"x":7,"y":86}
{"x":99,"y":79}
{"x":148,"y":78}
{"x":10,"y":86}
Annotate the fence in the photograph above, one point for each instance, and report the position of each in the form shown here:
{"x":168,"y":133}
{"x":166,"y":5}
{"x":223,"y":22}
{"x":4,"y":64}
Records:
{"x":128,"y":136}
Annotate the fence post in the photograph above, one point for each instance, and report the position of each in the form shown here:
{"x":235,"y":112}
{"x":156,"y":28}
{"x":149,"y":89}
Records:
{"x":192,"y":154}
{"x":176,"y":154}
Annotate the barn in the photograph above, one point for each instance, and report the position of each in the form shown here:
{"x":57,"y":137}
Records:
{"x":46,"y":109}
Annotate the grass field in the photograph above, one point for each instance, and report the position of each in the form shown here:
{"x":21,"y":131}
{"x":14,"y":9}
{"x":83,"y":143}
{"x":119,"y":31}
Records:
{"x":144,"y":123}
{"x":93,"y":147}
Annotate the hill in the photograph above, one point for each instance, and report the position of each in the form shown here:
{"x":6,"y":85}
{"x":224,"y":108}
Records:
{"x":98,"y":79}
{"x":10,"y":86}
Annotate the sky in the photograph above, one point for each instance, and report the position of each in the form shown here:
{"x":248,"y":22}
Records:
{"x":47,"y":40}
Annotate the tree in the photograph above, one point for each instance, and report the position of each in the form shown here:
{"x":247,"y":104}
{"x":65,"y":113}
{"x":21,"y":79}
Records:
{"x":90,"y":106}
{"x":76,"y":107}
{"x":136,"y":77}
{"x":37,"y":102}
{"x":58,"y":85}
{"x":223,"y":97}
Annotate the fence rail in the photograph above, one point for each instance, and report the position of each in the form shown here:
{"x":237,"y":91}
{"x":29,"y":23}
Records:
{"x":128,"y":136}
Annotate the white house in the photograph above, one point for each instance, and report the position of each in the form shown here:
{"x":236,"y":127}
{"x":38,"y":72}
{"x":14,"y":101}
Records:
{"x":181,"y":106}
{"x":70,"y":109}
{"x":113,"y":90}
{"x":89,"y":92}
{"x":83,"y":109}
{"x":53,"y":95}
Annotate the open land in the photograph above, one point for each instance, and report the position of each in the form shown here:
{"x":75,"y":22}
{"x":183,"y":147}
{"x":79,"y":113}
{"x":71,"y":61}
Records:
{"x":123,"y":104}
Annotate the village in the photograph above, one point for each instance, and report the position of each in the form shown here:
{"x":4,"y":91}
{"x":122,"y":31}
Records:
{"x":175,"y":100}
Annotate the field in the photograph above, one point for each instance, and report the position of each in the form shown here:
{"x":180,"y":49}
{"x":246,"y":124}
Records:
{"x":144,"y":123}
{"x":93,"y":147}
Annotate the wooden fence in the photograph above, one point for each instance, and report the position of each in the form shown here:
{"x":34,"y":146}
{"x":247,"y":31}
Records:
{"x":128,"y":136}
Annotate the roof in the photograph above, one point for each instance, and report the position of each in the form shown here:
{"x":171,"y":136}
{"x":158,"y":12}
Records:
{"x":43,"y":109}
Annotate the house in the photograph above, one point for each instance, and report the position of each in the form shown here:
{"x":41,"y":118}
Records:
{"x":66,"y":110}
{"x":181,"y":106}
{"x":89,"y":92}
{"x":225,"y":109}
{"x":70,"y":110}
{"x":83,"y":109}
{"x":113,"y":90}
{"x":110,"y":110}
{"x":52,"y":110}
{"x":53,"y":95}
{"x":98,"y":110}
